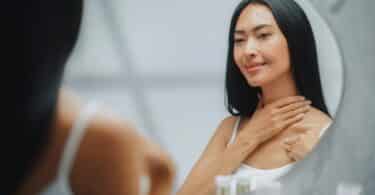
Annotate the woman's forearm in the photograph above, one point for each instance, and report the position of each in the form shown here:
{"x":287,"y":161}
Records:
{"x":235,"y":154}
{"x":201,"y":181}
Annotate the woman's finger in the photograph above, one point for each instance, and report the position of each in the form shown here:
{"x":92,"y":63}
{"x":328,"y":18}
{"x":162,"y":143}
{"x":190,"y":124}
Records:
{"x":288,"y":122}
{"x":287,"y":147}
{"x":301,"y":110}
{"x":292,"y":140}
{"x":286,"y":101}
{"x":294,"y":156}
{"x":294,"y":106}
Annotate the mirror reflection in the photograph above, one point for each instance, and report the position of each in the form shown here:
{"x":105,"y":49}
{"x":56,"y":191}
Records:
{"x":274,"y":95}
{"x":170,"y":82}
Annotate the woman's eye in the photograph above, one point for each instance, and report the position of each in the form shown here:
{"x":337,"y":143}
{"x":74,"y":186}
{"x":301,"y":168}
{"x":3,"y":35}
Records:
{"x":237,"y":41}
{"x":264,"y":35}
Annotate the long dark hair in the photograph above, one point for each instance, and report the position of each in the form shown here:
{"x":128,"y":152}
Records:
{"x":43,"y":34}
{"x":242,"y":99}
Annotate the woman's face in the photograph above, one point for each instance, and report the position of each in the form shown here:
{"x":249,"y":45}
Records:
{"x":260,"y":48}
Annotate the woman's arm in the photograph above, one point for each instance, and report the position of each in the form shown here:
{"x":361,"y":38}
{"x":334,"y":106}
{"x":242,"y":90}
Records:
{"x":215,"y":160}
{"x":159,"y":167}
{"x":113,"y":157}
{"x":218,"y":159}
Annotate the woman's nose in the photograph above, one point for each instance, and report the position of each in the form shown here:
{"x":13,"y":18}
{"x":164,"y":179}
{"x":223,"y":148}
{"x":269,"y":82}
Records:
{"x":251,"y":49}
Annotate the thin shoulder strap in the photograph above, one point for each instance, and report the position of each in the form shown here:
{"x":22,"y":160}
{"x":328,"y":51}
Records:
{"x":235,"y":130}
{"x":324,"y":129}
{"x":74,"y":139}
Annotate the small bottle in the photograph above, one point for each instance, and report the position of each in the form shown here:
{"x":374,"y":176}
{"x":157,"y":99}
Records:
{"x":243,"y":185}
{"x":223,"y":185}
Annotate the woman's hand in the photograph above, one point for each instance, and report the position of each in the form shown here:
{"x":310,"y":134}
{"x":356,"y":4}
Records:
{"x":298,"y":146}
{"x":270,"y":120}
{"x":265,"y":123}
{"x":159,"y":167}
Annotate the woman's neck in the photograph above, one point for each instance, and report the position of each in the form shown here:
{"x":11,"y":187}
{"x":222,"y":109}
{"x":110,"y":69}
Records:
{"x":278,"y":89}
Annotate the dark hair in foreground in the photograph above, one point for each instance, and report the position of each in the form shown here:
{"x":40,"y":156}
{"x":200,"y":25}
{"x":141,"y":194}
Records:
{"x":241,"y":98}
{"x":43,"y":34}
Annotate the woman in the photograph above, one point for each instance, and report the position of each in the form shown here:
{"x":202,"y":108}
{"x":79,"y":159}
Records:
{"x":274,"y":95}
{"x":54,"y":143}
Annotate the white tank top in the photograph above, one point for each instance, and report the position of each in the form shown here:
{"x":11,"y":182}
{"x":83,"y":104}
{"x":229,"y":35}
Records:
{"x":262,"y":176}
{"x":61,"y":185}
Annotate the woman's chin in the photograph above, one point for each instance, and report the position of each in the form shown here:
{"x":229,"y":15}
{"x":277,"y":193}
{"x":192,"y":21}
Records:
{"x":255,"y":83}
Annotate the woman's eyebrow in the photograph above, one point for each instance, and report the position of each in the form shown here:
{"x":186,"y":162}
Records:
{"x":256,"y":28}
{"x":239,"y":32}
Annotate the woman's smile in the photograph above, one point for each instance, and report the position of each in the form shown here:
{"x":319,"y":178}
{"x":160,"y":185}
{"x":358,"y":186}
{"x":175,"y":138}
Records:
{"x":254,"y":68}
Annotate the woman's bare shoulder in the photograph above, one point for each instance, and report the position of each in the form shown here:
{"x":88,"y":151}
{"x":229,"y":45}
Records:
{"x":220,"y":137}
{"x":225,"y":127}
{"x":318,"y":116}
{"x":107,"y":144}
{"x":228,"y":121}
{"x":314,"y":119}
{"x":107,"y":129}
{"x":104,"y":125}
{"x":110,"y":148}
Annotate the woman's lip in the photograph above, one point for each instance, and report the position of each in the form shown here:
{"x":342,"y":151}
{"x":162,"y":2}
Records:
{"x":254,"y":68}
